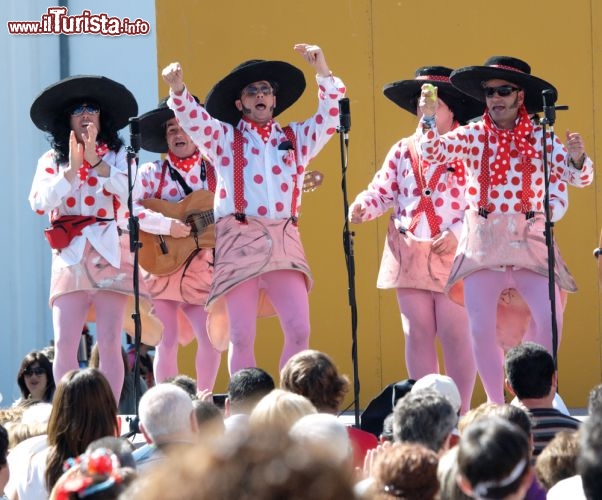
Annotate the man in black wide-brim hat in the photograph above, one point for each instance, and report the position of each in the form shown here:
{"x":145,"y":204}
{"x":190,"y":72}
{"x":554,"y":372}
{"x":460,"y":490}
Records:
{"x":502,"y":245}
{"x":423,"y":234}
{"x":260,"y":265}
{"x":179,"y":292}
{"x":82,"y":184}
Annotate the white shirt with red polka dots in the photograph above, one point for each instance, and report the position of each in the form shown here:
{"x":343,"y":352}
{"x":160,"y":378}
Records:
{"x":147,"y":185}
{"x":395,"y":185}
{"x":467,"y":143}
{"x":51,"y":193}
{"x":268,"y":172}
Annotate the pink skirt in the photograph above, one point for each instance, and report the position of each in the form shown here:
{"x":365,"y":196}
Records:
{"x":94,"y":273}
{"x":506,"y":240}
{"x":411,"y":263}
{"x":243,"y":252}
{"x":189,"y":284}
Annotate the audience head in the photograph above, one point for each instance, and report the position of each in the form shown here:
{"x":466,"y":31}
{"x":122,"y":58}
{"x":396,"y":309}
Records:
{"x":558,"y":460}
{"x":442,"y":384}
{"x":424,"y":417}
{"x":166,"y":413}
{"x":474,"y":414}
{"x":121,"y":447}
{"x":4,"y":472}
{"x":515,"y":415}
{"x":266,"y":465}
{"x":94,"y":475}
{"x":246,"y":388}
{"x":387,"y":434}
{"x":83,"y":410}
{"x":209,"y":419}
{"x":35,"y":377}
{"x":594,"y":401}
{"x":405,"y":470}
{"x":530,"y":371}
{"x":280,"y":410}
{"x":589,"y":464}
{"x":327,"y":434}
{"x":188,"y":384}
{"x":493,"y":460}
{"x":447,"y":474}
{"x":34,"y":422}
{"x":314,"y":375}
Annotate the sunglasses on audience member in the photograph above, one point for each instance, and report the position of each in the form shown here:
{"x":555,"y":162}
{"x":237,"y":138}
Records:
{"x":254,"y":90}
{"x":34,"y":371}
{"x":502,"y":90}
{"x":90,"y":109}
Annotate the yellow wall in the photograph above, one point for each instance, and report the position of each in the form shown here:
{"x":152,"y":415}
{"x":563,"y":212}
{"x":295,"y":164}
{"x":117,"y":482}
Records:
{"x":369,"y":43}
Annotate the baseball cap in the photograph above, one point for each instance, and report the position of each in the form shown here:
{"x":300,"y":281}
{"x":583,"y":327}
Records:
{"x":442,"y":384}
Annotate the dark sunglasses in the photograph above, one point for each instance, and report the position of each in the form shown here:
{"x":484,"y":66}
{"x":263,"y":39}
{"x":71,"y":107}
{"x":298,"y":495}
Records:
{"x":34,"y":371}
{"x":90,"y":109}
{"x":502,"y":90}
{"x":253,"y":90}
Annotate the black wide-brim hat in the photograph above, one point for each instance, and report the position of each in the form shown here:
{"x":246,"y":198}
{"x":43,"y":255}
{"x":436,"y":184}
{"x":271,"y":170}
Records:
{"x":152,"y":127}
{"x":116,"y":102}
{"x":471,"y":79}
{"x":289,"y":80}
{"x":405,"y":93}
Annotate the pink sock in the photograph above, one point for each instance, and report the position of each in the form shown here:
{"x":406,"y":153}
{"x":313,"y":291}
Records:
{"x":110,"y":310}
{"x":207,"y":358}
{"x":166,"y":353}
{"x":288,"y":294}
{"x":242,"y":312}
{"x":69,"y":313}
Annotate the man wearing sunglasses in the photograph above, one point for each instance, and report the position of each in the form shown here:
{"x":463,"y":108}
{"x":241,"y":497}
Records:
{"x":502,"y":247}
{"x":423,"y":234}
{"x":260,"y":265}
{"x":81,"y":183}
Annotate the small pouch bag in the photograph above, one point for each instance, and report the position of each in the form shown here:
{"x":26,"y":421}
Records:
{"x":65,"y":228}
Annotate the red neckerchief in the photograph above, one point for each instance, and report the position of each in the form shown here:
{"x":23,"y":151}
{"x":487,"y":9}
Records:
{"x":101,"y":150}
{"x":184,"y":164}
{"x":263,"y":130}
{"x":521,"y":135}
{"x":496,"y":173}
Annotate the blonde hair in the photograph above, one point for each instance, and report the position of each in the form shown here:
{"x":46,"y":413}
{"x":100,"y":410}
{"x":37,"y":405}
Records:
{"x":280,"y":409}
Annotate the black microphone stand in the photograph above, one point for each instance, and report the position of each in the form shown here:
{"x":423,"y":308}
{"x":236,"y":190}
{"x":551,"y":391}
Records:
{"x":343,"y":129}
{"x":548,"y":120}
{"x":134,"y":231}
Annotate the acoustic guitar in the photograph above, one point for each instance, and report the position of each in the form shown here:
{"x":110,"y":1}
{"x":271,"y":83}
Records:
{"x":162,"y":254}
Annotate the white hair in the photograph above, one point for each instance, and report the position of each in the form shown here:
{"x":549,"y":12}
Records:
{"x":325,"y":432}
{"x":165,"y":409}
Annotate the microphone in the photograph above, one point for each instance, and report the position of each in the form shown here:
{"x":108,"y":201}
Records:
{"x":344,"y":117}
{"x":134,"y":133}
{"x":549,"y":110}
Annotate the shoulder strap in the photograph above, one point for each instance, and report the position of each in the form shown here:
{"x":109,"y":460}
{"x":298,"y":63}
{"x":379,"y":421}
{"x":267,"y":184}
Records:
{"x":176,"y":176}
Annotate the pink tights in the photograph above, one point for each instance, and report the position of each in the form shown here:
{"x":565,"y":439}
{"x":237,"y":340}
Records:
{"x":481,"y":293}
{"x":166,"y":356}
{"x":69,"y":313}
{"x":288,"y":293}
{"x":426,"y":315}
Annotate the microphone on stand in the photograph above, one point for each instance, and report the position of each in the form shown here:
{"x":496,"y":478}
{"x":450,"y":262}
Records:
{"x":134,"y":133}
{"x":344,"y":118}
{"x":549,"y":110}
